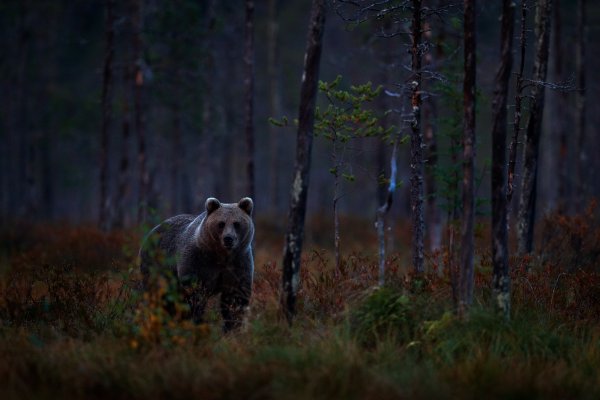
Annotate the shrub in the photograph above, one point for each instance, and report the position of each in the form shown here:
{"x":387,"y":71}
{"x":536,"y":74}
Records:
{"x":384,"y":312}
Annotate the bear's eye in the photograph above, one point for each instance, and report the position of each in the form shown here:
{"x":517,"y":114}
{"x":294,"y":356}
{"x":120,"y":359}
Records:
{"x":221,"y":225}
{"x":236,"y":225}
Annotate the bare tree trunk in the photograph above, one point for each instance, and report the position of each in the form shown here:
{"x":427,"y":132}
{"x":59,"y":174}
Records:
{"x":106,"y":113}
{"x":123,"y":218}
{"x":514,"y":142}
{"x":144,"y":176}
{"x":19,"y":135}
{"x":559,"y":113}
{"x":208,"y":139}
{"x":580,"y":105}
{"x":306,"y":114}
{"x":249,"y":94}
{"x":501,"y":277}
{"x":527,"y":199}
{"x":383,"y":210}
{"x":176,"y":159}
{"x":468,"y":200}
{"x":416,"y":143}
{"x":336,"y":197}
{"x":274,"y":103}
{"x":434,"y":220}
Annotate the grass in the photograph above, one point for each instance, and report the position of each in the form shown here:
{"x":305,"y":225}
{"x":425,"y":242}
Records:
{"x":73,"y":324}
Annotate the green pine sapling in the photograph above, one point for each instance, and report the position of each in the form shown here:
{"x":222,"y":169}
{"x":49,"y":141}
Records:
{"x":344,"y":119}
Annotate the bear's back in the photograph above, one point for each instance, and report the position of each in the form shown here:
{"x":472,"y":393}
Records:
{"x":160,"y":246}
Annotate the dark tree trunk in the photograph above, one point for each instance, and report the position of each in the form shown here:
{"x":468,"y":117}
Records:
{"x":416,"y":143}
{"x":501,"y":278}
{"x":580,"y":105}
{"x":177,"y":157}
{"x":208,"y":139}
{"x":434,"y":220}
{"x":106,"y":113}
{"x":144,"y":176}
{"x":527,"y":199}
{"x":514,"y":142}
{"x":559,"y":114}
{"x":274,"y":104}
{"x":468,"y":189}
{"x":306,"y":114}
{"x":18,"y":133}
{"x":249,"y":98}
{"x":124,"y":216}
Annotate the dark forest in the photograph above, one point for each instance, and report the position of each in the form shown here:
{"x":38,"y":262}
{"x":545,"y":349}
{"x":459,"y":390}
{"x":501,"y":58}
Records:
{"x":406,"y":199}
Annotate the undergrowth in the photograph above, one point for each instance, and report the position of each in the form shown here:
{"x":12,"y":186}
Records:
{"x":74,"y":323}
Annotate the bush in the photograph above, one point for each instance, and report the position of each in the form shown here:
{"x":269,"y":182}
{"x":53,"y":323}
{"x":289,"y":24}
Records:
{"x":384,"y":313}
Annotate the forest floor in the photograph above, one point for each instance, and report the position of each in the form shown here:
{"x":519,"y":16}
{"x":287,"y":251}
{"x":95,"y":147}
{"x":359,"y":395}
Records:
{"x":73,"y":323}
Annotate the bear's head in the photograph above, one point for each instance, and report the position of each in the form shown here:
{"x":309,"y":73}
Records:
{"x":228,"y":227}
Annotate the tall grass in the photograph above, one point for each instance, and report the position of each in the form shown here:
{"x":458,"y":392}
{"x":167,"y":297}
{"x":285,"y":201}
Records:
{"x":74,"y":324}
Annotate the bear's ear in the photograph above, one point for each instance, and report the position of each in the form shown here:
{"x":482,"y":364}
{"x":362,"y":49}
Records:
{"x":246,"y":204}
{"x":212,"y":204}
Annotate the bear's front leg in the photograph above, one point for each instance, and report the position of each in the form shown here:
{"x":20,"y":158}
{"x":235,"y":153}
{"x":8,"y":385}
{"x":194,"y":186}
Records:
{"x":235,"y":296}
{"x":194,"y":294}
{"x":233,"y":309}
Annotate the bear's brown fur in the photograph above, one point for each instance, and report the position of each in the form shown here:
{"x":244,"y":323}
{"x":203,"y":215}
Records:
{"x":209,"y":254}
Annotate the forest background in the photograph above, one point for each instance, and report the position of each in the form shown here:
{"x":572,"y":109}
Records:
{"x":118,"y":114}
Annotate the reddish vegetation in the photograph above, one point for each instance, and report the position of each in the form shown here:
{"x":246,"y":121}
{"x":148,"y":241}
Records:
{"x":78,"y":285}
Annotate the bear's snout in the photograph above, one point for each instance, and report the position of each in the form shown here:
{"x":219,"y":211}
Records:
{"x":228,"y":241}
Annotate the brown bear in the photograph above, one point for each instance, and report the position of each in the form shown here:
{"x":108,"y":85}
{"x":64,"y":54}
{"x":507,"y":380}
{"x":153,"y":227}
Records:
{"x":209,"y":254}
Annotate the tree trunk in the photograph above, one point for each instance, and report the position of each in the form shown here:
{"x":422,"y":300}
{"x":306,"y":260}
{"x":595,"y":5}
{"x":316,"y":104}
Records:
{"x":580,"y":105}
{"x":208,"y":139}
{"x":144,"y":177}
{"x":383,"y":210}
{"x":306,"y":114}
{"x":176,"y":159}
{"x":336,"y":224}
{"x":527,"y":199}
{"x":501,"y":278}
{"x":514,"y":142}
{"x":106,"y":113}
{"x":16,"y":115}
{"x":123,"y":218}
{"x":274,"y":103}
{"x":468,"y":198}
{"x":434,"y":220}
{"x":559,"y":114}
{"x":416,"y":143}
{"x":249,"y":97}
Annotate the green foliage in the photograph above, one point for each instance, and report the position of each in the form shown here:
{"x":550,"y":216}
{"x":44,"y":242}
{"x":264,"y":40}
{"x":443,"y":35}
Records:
{"x":346,"y":116}
{"x":384,"y":312}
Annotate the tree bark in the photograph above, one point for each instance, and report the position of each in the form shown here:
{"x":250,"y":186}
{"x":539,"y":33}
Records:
{"x":306,"y":114}
{"x":274,"y":103}
{"x":144,"y":176}
{"x":501,"y":277}
{"x":512,"y":153}
{"x":434,"y":220}
{"x":559,"y":114}
{"x":468,"y":189}
{"x":103,"y":218}
{"x":416,"y":143}
{"x":249,"y":98}
{"x":580,"y":105}
{"x":527,"y":199}
{"x":123,"y":218}
{"x":176,"y":159}
{"x":384,"y":209}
